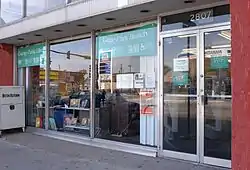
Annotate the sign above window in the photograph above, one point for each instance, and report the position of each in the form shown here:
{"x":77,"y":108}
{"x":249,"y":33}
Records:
{"x":138,"y":42}
{"x":32,"y":55}
{"x":214,"y":15}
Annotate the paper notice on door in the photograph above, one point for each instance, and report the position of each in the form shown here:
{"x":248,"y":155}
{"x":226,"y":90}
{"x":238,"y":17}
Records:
{"x":139,"y":80}
{"x":124,"y":81}
{"x":150,"y":81}
{"x":181,"y":64}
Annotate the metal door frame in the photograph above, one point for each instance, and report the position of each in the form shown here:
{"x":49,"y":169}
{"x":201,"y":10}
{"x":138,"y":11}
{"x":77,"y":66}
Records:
{"x":162,"y":152}
{"x":203,"y":158}
{"x":199,"y":156}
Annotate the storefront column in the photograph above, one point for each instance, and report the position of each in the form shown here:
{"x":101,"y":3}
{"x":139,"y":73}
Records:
{"x":47,"y":84}
{"x":6,"y":65}
{"x":159,"y":96}
{"x":24,"y":8}
{"x":92,"y":90}
{"x":240,"y":11}
{"x":15,"y":72}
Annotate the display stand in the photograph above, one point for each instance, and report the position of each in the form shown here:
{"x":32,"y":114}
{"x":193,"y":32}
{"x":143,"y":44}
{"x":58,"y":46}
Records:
{"x":82,"y":115}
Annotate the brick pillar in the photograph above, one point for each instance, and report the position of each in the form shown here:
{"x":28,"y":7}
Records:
{"x":240,"y":10}
{"x":6,"y":65}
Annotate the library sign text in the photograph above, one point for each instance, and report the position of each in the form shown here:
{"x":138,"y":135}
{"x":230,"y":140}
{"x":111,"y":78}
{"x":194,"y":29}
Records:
{"x":33,"y":55}
{"x":138,"y":42}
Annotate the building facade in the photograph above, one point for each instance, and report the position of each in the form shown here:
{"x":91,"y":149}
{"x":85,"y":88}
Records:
{"x":152,"y":77}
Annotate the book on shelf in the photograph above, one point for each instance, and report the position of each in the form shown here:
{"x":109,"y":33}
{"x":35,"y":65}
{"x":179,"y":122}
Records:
{"x":84,"y":122}
{"x":75,"y":103}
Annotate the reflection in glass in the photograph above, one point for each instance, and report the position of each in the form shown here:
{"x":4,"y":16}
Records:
{"x":69,"y":86}
{"x":34,"y":7}
{"x":180,"y":101}
{"x":33,"y":81}
{"x":37,"y":96}
{"x":218,"y":94}
{"x":127,"y":85}
{"x":11,"y":10}
{"x":123,"y":101}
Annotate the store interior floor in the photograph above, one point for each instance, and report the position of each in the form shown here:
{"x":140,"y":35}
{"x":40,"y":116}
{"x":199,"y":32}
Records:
{"x":217,"y":145}
{"x":124,"y":139}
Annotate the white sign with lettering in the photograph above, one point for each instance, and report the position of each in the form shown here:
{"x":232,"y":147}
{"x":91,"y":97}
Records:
{"x":139,"y":80}
{"x":124,"y":81}
{"x":181,"y":64}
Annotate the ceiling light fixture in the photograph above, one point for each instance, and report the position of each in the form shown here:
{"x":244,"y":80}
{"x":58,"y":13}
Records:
{"x":221,"y":46}
{"x":144,"y":11}
{"x":20,"y":39}
{"x":110,"y":19}
{"x":189,"y":50}
{"x":38,"y":35}
{"x":58,"y":31}
{"x":81,"y":25}
{"x":189,"y":1}
{"x":228,"y":33}
{"x":225,"y":36}
{"x":187,"y":36}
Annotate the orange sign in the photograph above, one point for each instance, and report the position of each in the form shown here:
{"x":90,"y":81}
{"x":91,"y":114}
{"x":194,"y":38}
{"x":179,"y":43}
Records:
{"x":146,"y":110}
{"x":147,"y":94}
{"x":146,"y":97}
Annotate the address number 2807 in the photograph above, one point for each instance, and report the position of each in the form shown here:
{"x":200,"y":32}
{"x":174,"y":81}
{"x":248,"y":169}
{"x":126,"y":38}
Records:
{"x":201,"y":15}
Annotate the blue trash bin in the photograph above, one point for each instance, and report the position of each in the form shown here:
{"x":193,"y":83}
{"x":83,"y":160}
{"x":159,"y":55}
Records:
{"x":59,"y":118}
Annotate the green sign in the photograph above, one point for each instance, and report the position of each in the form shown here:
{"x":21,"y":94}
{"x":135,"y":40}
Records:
{"x":138,"y":42}
{"x":180,"y":78}
{"x":33,"y":55}
{"x":219,"y":62}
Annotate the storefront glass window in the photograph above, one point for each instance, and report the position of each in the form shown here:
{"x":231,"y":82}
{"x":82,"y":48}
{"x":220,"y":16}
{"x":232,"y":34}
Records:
{"x":127,"y":86}
{"x":218,"y":92}
{"x":31,"y":75}
{"x":11,"y":10}
{"x":34,"y":7}
{"x":70,"y":86}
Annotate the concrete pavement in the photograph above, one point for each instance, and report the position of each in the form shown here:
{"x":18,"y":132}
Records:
{"x":25,"y":151}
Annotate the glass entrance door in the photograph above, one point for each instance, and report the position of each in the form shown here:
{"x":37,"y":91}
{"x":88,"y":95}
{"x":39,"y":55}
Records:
{"x":216,"y":96}
{"x":179,"y":120}
{"x":196,"y":95}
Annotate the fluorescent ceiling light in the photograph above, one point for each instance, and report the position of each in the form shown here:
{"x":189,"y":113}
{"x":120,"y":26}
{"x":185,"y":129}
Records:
{"x":221,"y":46}
{"x":186,"y":36}
{"x":225,"y":34}
{"x":190,"y":50}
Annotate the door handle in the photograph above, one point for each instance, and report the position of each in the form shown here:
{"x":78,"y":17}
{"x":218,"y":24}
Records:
{"x":203,"y":99}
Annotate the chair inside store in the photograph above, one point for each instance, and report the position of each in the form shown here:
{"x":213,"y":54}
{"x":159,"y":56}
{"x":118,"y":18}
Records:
{"x":120,"y":119}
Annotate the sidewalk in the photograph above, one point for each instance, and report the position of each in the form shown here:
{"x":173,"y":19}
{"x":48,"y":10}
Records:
{"x":26,"y":151}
